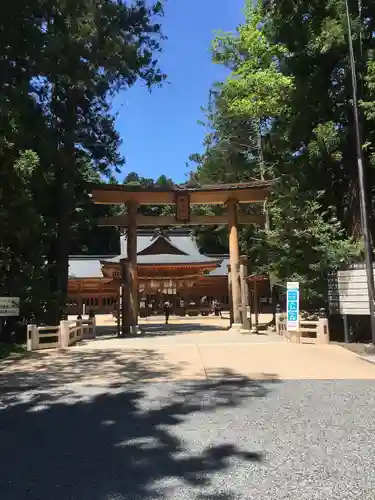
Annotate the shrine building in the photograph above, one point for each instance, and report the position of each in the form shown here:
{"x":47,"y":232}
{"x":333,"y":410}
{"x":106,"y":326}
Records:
{"x":170,"y":267}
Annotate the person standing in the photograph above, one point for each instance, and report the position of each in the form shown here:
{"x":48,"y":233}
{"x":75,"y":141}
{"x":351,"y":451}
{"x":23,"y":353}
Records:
{"x":115,"y":310}
{"x":216,"y":308}
{"x":167,"y":309}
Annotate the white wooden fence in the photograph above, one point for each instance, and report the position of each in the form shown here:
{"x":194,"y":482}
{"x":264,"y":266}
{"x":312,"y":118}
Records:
{"x":316,"y":330}
{"x":65,"y":334}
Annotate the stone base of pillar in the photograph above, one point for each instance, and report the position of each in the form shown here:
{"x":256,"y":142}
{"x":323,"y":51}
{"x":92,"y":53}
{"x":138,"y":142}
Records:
{"x":246,"y":324}
{"x":125,"y":331}
{"x":246,"y":331}
{"x":136,"y":330}
{"x":369,"y":349}
{"x":235,"y":327}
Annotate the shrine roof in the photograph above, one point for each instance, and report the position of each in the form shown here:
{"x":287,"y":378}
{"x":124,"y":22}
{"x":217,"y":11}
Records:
{"x":180,"y":248}
{"x":167,"y":259}
{"x":91,"y":266}
{"x":221,"y":270}
{"x":179,"y":241}
{"x":86,"y":266}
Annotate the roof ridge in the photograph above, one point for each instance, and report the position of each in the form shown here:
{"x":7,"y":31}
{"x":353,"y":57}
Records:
{"x":168,"y":240}
{"x":221,"y":255}
{"x":92,"y":257}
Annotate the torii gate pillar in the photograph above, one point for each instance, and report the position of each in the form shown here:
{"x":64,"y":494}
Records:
{"x":132,"y":269}
{"x":234,"y":257}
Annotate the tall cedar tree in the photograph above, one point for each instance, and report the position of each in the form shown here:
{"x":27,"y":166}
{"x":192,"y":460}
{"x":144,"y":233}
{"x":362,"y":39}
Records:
{"x":61,"y":62}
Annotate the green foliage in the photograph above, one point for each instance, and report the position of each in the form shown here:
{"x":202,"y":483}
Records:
{"x":305,"y":242}
{"x":256,"y":87}
{"x":60,"y":65}
{"x":212,"y":239}
{"x":369,"y":108}
{"x":370,"y":81}
{"x":86,"y":236}
{"x":138,"y":182}
{"x":327,"y":141}
{"x":285,"y":114}
{"x":22,"y":263}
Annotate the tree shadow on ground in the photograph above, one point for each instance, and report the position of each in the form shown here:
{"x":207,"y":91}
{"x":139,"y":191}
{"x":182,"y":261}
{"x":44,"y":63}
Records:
{"x":105,"y":330}
{"x":75,"y":365}
{"x":161,"y":329}
{"x":121,"y":442}
{"x":54,"y":367}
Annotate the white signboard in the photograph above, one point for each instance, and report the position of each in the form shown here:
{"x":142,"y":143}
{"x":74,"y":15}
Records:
{"x":348,"y":293}
{"x":292,"y":306}
{"x":9,"y":306}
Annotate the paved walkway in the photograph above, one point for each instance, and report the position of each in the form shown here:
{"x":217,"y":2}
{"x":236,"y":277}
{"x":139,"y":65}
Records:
{"x":198,"y":350}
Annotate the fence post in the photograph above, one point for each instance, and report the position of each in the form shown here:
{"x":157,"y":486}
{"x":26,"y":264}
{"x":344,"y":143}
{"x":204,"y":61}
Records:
{"x":32,"y":337}
{"x":278,"y":319}
{"x":80,"y":329}
{"x":93,"y":327}
{"x":322,"y":330}
{"x":64,"y":333}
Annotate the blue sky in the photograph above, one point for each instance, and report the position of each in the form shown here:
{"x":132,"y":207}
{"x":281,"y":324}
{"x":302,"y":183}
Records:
{"x":159,"y":129}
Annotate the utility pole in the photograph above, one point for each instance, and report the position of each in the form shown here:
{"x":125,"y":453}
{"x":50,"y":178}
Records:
{"x":262,"y":169}
{"x":361,"y":181}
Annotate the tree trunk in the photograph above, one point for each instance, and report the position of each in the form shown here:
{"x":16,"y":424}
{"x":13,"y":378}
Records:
{"x":65,"y":204}
{"x":63,"y":246}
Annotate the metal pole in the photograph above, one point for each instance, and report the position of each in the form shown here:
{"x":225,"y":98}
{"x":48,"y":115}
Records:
{"x":361,"y":179}
{"x":256,"y":309}
{"x":250,"y":307}
{"x":262,"y":171}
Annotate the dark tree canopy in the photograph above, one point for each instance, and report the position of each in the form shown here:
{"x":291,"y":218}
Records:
{"x":285,"y":113}
{"x":61,"y":62}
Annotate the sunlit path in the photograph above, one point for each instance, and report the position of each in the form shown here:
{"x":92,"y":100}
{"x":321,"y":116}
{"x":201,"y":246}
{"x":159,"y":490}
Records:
{"x":184,"y":350}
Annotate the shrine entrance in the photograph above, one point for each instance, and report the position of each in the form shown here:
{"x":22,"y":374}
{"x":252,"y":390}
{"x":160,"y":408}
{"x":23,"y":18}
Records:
{"x":146,"y":284}
{"x":154,"y":293}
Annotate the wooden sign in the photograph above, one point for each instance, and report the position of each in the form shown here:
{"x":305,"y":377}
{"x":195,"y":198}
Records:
{"x":9,"y":306}
{"x":348,"y":293}
{"x":182,"y":206}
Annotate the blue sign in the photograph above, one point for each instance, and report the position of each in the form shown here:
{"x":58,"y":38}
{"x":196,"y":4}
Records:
{"x":292,"y":306}
{"x":292,"y":316}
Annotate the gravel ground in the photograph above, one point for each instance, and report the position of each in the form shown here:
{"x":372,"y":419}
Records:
{"x":295,"y":440}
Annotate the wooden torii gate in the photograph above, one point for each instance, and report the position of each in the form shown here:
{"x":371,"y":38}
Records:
{"x":183,"y":197}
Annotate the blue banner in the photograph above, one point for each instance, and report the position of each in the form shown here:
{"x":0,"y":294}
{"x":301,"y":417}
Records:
{"x":292,"y":306}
